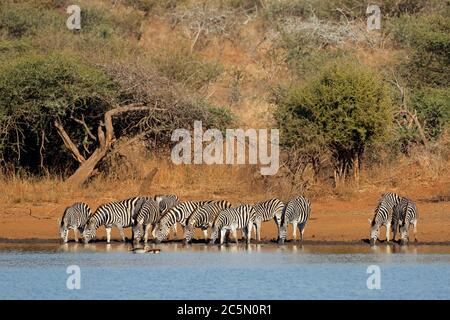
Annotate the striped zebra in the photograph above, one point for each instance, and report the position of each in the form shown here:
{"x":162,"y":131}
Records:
{"x":74,"y":217}
{"x":147,"y":214}
{"x":166,"y":202}
{"x":233,"y":219}
{"x":178,"y":214}
{"x":296,"y":212}
{"x":203,"y":217}
{"x":408,"y":214}
{"x":384,"y":216}
{"x":265,"y":211}
{"x":111,"y":214}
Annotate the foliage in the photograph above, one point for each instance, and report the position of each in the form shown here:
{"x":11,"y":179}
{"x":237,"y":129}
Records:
{"x":345,"y":109}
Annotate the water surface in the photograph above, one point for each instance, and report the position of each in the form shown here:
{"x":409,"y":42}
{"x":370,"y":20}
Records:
{"x":267,"y":271}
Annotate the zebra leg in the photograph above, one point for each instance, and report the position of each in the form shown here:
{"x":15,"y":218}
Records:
{"x":122,"y":234}
{"x":154,"y":231}
{"x":415,"y":230}
{"x":394,"y":231}
{"x":258,"y":230}
{"x":301,"y":228}
{"x":249,"y":232}
{"x":147,"y":227}
{"x":205,"y":235}
{"x":108,"y":234}
{"x":388,"y":229}
{"x":294,"y":231}
{"x":222,"y":236}
{"x":75,"y":234}
{"x":235,"y":235}
{"x":175,"y":236}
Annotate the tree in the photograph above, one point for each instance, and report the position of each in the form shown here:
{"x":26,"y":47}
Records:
{"x":344,"y":110}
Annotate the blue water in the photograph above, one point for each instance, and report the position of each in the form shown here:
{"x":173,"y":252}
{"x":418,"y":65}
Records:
{"x":201,"y":272}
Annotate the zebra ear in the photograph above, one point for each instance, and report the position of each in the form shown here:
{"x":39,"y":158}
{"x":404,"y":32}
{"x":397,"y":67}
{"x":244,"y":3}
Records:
{"x":370,"y":221}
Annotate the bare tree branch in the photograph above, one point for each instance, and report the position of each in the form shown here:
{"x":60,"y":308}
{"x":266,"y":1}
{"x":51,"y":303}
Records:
{"x":68,"y":142}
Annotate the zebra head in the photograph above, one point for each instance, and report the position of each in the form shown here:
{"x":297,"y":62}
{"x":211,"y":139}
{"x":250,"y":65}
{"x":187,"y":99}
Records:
{"x":189,"y":232}
{"x":374,"y":228}
{"x":89,"y":232}
{"x":162,"y":231}
{"x":404,"y":234}
{"x":214,"y":235}
{"x":63,"y":230}
{"x":282,"y":233}
{"x":138,"y":230}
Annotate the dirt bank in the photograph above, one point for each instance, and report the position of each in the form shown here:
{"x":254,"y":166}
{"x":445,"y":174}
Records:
{"x":332,"y":220}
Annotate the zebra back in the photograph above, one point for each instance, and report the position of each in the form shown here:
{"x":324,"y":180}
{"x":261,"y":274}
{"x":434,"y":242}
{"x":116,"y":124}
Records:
{"x":240,"y":216}
{"x":166,"y":202}
{"x":205,"y":215}
{"x":146,"y":211}
{"x":268,"y":210}
{"x":75,"y":216}
{"x":116,"y":213}
{"x":297,"y":209}
{"x":384,"y":212}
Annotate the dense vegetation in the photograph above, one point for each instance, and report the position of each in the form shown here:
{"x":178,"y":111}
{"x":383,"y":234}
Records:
{"x":334,"y":110}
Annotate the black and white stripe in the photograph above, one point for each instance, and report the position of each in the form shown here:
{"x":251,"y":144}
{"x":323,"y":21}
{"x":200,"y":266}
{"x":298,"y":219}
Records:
{"x":166,"y":202}
{"x":384,"y":216}
{"x":203,"y":217}
{"x":147,"y":214}
{"x":178,"y":214}
{"x":296,"y":212}
{"x":118,"y":214}
{"x":233,"y":219}
{"x":75,"y":218}
{"x":408,"y":215}
{"x":265,"y":211}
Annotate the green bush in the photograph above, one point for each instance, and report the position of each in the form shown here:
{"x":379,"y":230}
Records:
{"x":429,"y":38}
{"x":38,"y":89}
{"x":433,"y":108}
{"x":345,"y":109}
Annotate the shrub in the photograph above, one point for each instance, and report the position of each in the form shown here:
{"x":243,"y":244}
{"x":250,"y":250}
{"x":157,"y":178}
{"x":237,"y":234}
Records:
{"x":429,"y":38}
{"x":345,"y":109}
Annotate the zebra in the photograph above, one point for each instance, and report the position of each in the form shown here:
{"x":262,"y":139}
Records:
{"x":203,"y":217}
{"x":408,"y":214}
{"x":111,"y":214}
{"x":265,"y":211}
{"x":296,"y":212}
{"x":74,"y":217}
{"x":241,"y":217}
{"x":384,"y":216}
{"x":166,"y":202}
{"x":145,"y":218}
{"x":180,"y":213}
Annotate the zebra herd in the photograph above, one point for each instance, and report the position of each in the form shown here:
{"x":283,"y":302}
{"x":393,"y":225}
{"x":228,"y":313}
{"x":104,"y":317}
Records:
{"x":396,"y":213}
{"x":160,"y":214}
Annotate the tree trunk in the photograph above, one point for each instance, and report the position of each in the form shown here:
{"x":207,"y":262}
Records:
{"x":105,"y":138}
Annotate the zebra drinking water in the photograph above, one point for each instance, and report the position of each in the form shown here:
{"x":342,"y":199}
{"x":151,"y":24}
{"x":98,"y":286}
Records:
{"x":384,"y":216}
{"x":241,"y":217}
{"x":178,"y":214}
{"x":296,"y":212}
{"x":75,"y":218}
{"x":408,"y":214}
{"x":111,"y":214}
{"x":145,"y":218}
{"x":203,"y":217}
{"x":166,"y":202}
{"x":265,"y":211}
